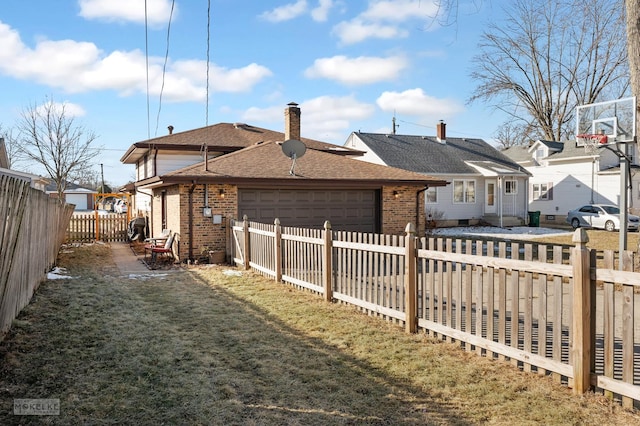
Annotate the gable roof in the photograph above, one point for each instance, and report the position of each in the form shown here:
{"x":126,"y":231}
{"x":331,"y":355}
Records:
{"x":221,"y":137}
{"x":567,"y":150}
{"x":266,"y":164}
{"x":69,"y":189}
{"x":425,"y":154}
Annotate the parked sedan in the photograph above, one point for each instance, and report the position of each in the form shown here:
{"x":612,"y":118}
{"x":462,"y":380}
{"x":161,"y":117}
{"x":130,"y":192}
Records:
{"x":603,"y":216}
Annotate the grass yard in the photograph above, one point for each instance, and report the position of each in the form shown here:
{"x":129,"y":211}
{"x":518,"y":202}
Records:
{"x":598,"y":239}
{"x":202,"y":347}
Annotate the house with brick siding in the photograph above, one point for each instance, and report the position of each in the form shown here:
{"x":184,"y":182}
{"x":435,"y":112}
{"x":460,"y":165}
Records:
{"x":486,"y":186}
{"x":194,"y":182}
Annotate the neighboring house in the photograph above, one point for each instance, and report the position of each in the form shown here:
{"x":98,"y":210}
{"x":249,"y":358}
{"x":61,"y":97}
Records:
{"x":73,"y":194}
{"x":247,"y":173}
{"x":35,"y":181}
{"x":485,"y":185}
{"x":565,"y":176}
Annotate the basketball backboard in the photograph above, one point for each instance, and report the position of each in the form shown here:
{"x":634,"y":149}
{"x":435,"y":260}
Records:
{"x":614,"y":119}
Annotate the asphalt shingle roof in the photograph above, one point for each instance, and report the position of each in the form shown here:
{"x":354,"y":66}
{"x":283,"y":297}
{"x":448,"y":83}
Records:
{"x":225,"y":137}
{"x":425,"y":154}
{"x":266,"y":161}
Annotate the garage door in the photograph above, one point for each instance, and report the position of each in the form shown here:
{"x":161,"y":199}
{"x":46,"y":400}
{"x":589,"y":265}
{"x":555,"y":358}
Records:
{"x":80,"y":200}
{"x":350,"y":210}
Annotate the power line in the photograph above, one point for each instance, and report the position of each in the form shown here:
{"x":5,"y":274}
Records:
{"x":164,"y":66}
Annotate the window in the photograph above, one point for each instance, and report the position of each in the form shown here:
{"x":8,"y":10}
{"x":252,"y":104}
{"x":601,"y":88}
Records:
{"x":540,"y":191}
{"x":511,"y":187}
{"x":464,"y":191}
{"x":431,"y":195}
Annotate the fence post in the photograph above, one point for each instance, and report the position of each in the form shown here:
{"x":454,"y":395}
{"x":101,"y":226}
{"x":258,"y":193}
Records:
{"x":411,"y":306}
{"x":246,"y":247}
{"x":327,"y":262}
{"x":277,"y":248}
{"x":581,"y":324}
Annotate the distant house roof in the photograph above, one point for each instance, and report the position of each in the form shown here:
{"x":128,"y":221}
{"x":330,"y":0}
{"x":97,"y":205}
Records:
{"x":71,"y":188}
{"x":266,"y":164}
{"x":221,"y":137}
{"x":428,"y":155}
{"x":558,"y":151}
{"x":35,"y":181}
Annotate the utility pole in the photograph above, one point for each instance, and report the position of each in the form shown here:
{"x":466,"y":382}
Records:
{"x":102,"y":173}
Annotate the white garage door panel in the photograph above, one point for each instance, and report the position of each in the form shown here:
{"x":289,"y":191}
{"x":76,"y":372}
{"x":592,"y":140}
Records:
{"x":80,"y":200}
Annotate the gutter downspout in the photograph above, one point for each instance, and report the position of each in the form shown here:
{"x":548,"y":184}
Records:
{"x":418,"y":208}
{"x":193,"y":187}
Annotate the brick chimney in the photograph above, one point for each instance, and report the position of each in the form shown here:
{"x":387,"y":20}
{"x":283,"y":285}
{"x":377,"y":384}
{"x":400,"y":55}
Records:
{"x":441,"y":132}
{"x":292,"y":122}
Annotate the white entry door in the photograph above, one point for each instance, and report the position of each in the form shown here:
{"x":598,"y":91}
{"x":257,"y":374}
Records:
{"x":490,"y":199}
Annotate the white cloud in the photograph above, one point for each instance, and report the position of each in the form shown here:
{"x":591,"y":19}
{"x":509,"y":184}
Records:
{"x":286,"y":12}
{"x":400,"y":10}
{"x":360,"y":70}
{"x":416,"y":102}
{"x":320,"y":13}
{"x":158,"y":11}
{"x":356,"y":31}
{"x":78,"y":67}
{"x":70,"y":109}
{"x":325,"y":118}
{"x":384,"y":20}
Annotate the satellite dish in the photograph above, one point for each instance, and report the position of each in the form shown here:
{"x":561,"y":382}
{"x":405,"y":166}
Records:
{"x":293,"y":149}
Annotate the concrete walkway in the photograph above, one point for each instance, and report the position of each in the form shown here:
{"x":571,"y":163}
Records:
{"x":127,"y":261}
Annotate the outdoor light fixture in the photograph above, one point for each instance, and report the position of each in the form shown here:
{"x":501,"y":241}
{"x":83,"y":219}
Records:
{"x":396,"y":194}
{"x":221,"y":193}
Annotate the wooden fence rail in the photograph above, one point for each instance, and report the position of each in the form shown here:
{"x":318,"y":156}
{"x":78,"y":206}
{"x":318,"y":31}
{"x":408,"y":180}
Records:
{"x":30,"y":237}
{"x":92,"y":226}
{"x":544,"y":310}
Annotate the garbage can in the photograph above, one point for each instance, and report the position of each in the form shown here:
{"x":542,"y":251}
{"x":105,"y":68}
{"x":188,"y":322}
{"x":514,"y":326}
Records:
{"x":534,"y":218}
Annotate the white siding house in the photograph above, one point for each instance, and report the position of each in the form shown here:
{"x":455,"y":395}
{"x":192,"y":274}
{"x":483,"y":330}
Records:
{"x":483,"y":184}
{"x":565,"y":176}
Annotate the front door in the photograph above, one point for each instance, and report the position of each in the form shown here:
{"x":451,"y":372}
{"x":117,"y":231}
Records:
{"x":490,"y":200}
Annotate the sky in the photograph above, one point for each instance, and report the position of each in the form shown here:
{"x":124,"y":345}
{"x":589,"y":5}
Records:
{"x":351,"y":65}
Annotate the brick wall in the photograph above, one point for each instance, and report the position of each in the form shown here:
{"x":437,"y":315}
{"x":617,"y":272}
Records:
{"x":399,"y":209}
{"x":206,"y":234}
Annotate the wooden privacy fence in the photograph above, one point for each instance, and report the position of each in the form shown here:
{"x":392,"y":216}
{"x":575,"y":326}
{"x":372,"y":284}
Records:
{"x":31,"y":234}
{"x":547,"y":313}
{"x":92,"y":226}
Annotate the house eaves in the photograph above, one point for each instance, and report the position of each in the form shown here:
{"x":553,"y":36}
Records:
{"x":492,"y":169}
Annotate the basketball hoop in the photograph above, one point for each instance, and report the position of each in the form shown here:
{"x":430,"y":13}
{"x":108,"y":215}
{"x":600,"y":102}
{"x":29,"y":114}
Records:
{"x":591,"y":142}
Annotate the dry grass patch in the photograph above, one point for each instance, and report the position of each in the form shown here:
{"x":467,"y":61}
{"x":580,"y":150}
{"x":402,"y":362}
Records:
{"x":202,"y":347}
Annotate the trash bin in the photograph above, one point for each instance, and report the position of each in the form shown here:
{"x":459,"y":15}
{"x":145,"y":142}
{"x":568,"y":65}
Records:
{"x":534,"y":218}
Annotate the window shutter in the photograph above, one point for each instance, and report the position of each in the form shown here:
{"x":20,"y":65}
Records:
{"x":550,"y":189}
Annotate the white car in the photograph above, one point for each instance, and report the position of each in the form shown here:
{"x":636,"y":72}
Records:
{"x":603,"y":216}
{"x":120,"y":206}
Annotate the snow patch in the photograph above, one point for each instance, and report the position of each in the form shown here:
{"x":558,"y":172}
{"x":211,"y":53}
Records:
{"x":57,"y":274}
{"x":520,"y":232}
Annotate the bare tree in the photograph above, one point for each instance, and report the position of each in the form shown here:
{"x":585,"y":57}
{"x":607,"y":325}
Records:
{"x":514,"y":133}
{"x":51,"y":138}
{"x":550,"y":56}
{"x":632,"y":8}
